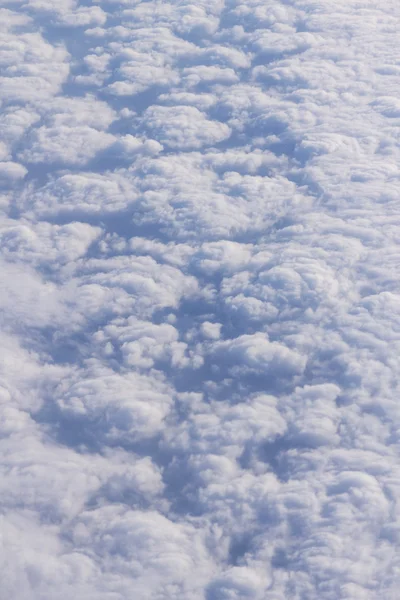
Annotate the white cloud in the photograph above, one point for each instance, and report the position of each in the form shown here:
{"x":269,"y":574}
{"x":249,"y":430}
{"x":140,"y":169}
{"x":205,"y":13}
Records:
{"x":140,"y":71}
{"x":211,"y":330}
{"x":12,"y":170}
{"x":199,"y":300}
{"x":256,"y":353}
{"x":124,"y":408}
{"x":84,"y":16}
{"x":74,"y":132}
{"x":26,"y":298}
{"x":65,"y":145}
{"x":43,"y":243}
{"x":33,"y":69}
{"x":209,"y":74}
{"x":82,"y":192}
{"x":184,"y":127}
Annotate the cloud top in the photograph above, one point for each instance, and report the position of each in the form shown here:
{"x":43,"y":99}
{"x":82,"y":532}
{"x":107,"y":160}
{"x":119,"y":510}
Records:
{"x":199,"y":300}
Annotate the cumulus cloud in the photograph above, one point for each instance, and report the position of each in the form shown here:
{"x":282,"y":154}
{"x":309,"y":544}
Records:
{"x":73,"y":133}
{"x":65,"y":145}
{"x":199,"y":300}
{"x":184,"y":127}
{"x":12,"y":170}
{"x":33,"y":70}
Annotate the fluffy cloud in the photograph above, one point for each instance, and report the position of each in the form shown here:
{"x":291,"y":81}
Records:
{"x":33,"y":70}
{"x":184,"y":127}
{"x":65,"y":145}
{"x":199,"y":299}
{"x":73,"y":133}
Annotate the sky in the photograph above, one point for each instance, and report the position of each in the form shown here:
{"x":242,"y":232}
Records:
{"x":199,"y":299}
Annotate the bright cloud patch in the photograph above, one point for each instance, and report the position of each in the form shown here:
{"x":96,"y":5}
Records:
{"x":199,"y":300}
{"x":184,"y":127}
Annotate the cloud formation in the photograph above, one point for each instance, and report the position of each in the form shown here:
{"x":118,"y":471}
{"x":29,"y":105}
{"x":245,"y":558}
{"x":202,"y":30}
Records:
{"x":199,"y":300}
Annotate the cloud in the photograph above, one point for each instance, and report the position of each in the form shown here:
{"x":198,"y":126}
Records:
{"x":12,"y":170}
{"x":65,"y":145}
{"x":127,"y":408}
{"x":140,"y":71}
{"x":73,"y":133}
{"x":256,"y":353}
{"x":43,"y":243}
{"x":184,"y":127}
{"x":81,"y":192}
{"x":199,"y":300}
{"x":33,"y":69}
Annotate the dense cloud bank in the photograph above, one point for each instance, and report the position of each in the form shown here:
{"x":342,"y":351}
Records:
{"x":200,"y":299}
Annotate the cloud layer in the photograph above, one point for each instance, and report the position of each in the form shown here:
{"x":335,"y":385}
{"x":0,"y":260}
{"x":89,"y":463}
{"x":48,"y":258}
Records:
{"x":199,"y":300}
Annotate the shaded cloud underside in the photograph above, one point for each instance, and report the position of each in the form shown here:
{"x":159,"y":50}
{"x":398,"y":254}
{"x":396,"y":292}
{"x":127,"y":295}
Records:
{"x":199,"y":240}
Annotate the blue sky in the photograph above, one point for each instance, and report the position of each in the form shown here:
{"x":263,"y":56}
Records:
{"x":199,"y":299}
